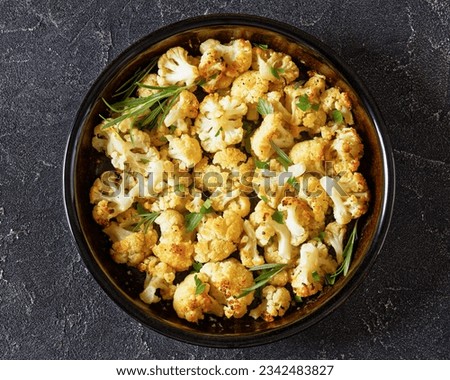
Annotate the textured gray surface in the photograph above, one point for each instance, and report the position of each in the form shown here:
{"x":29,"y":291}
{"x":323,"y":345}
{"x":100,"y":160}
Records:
{"x":52,"y":51}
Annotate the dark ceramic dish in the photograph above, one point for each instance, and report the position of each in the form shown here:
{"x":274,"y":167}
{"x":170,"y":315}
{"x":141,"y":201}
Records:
{"x":83,"y":165}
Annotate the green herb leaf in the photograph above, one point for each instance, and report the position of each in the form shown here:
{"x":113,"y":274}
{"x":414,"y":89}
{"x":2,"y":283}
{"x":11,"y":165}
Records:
{"x":261,"y":164}
{"x":264,"y":198}
{"x":278,"y":217}
{"x":315,"y":107}
{"x":276,"y":71}
{"x":268,"y":272}
{"x":337,"y":116}
{"x":294,"y":183}
{"x":199,"y":286}
{"x":146,"y":218}
{"x":197,"y":266}
{"x":128,"y":87}
{"x":320,"y":237}
{"x":218,"y":132}
{"x":298,"y":299}
{"x":282,"y":158}
{"x":193,"y":219}
{"x":264,"y":107}
{"x":303,"y":103}
{"x":315,"y":276}
{"x":261,"y":46}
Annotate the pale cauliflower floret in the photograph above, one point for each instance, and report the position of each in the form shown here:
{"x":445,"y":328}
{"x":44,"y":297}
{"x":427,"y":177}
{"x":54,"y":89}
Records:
{"x":334,"y":236}
{"x":181,"y":113}
{"x":219,"y":123}
{"x":170,"y":199}
{"x":333,"y":99}
{"x":112,"y":194}
{"x":159,"y":277}
{"x":217,"y":236}
{"x":130,"y":247}
{"x":311,"y":153}
{"x":345,"y":151}
{"x":300,"y":220}
{"x":250,"y":87}
{"x":275,"y":98}
{"x":273,"y":128}
{"x":174,"y":247}
{"x":274,"y":66}
{"x":175,"y":67}
{"x":229,"y":158}
{"x":148,"y":80}
{"x":227,"y":279}
{"x":315,"y":262}
{"x":186,"y":149}
{"x":249,"y":248}
{"x":221,"y":63}
{"x":350,"y":196}
{"x":275,"y":303}
{"x":132,"y":152}
{"x":192,"y":306}
{"x":279,"y":250}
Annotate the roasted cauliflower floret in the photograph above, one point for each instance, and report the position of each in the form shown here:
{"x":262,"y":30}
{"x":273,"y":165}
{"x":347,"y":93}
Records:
{"x":248,"y":247}
{"x":130,"y":247}
{"x":112,"y":194}
{"x":299,"y":220}
{"x":275,"y":303}
{"x":175,"y":67}
{"x":350,"y":196}
{"x":311,"y":153}
{"x":217,"y":236}
{"x":333,"y":99}
{"x":315,"y":262}
{"x":279,"y":249}
{"x":174,"y":247}
{"x":192,"y":304}
{"x":312,"y":192}
{"x":258,"y":219}
{"x":273,"y":128}
{"x":221,"y":63}
{"x":334,"y":236}
{"x":274,"y":66}
{"x":250,"y":87}
{"x":186,"y":149}
{"x":181,"y":113}
{"x":227,"y":279}
{"x":345,"y":151}
{"x":159,"y":278}
{"x":219,"y":123}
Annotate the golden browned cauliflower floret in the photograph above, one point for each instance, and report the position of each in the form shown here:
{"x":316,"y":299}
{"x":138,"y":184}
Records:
{"x":159,"y":278}
{"x":217,"y":236}
{"x":311,"y":153}
{"x":182,"y":113}
{"x":148,"y":80}
{"x":312,"y":192}
{"x":250,"y":87}
{"x":333,"y":99}
{"x":349,"y":194}
{"x":273,"y":128}
{"x":334,"y":237}
{"x":345,"y":151}
{"x":186,"y":150}
{"x":112,"y":194}
{"x":219,"y":123}
{"x":263,"y":231}
{"x":176,"y":67}
{"x":274,"y":66}
{"x":174,"y":246}
{"x":221,"y":63}
{"x":191,"y":302}
{"x":309,"y":275}
{"x":299,"y":220}
{"x":275,"y":303}
{"x":129,"y":247}
{"x":227,"y":279}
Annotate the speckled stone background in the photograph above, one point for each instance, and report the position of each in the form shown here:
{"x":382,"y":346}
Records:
{"x":51,"y":51}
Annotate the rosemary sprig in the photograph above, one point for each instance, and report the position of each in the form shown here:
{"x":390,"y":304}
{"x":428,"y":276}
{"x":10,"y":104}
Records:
{"x":264,"y":107}
{"x":146,"y":218}
{"x":268,"y":272}
{"x":282,"y":158}
{"x":193,"y":219}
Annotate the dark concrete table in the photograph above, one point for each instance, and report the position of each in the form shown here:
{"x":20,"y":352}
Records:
{"x":50,"y":54}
